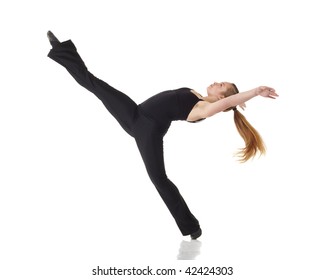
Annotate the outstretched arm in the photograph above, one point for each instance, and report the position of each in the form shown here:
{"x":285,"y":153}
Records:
{"x":210,"y":109}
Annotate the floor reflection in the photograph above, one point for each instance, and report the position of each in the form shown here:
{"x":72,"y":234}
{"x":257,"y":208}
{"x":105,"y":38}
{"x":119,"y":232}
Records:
{"x":189,"y":250}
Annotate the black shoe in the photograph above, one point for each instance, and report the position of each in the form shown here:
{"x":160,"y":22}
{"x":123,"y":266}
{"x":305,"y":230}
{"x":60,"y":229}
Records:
{"x":52,"y":39}
{"x":196,"y":234}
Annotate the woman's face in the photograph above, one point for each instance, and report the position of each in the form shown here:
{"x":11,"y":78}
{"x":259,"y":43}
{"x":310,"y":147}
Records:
{"x":218,"y":89}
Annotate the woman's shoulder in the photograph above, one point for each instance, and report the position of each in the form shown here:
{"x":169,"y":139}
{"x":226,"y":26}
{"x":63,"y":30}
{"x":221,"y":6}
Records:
{"x":196,"y":93}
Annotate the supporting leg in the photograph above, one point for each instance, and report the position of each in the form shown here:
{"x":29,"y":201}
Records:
{"x":150,"y":143}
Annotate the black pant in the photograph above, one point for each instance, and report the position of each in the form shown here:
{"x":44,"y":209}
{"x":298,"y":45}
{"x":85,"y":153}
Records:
{"x":147,"y":133}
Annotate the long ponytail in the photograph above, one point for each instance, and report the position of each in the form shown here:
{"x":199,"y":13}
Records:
{"x":253,"y":140}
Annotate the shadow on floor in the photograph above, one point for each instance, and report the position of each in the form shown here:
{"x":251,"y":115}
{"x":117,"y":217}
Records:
{"x":189,"y":250}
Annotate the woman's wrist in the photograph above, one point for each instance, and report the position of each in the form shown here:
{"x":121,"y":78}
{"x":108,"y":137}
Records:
{"x":256,"y":91}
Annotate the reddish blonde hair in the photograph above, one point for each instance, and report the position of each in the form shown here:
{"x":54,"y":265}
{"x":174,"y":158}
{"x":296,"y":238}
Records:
{"x":253,"y":141}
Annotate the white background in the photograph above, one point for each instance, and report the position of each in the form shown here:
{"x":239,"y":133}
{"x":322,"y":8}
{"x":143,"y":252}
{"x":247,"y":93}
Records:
{"x":74,"y":192}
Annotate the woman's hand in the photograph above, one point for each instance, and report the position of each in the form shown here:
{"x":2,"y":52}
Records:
{"x":262,"y":91}
{"x":266,"y":92}
{"x":242,"y":106}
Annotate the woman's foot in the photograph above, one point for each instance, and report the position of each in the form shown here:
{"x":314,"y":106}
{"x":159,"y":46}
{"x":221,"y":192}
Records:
{"x":52,"y":39}
{"x":196,"y":234}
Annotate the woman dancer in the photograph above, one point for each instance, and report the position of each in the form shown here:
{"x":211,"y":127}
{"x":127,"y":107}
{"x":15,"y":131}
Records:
{"x":149,"y":121}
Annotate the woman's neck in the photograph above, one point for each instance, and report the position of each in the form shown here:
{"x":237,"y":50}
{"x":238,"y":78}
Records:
{"x":211,"y":99}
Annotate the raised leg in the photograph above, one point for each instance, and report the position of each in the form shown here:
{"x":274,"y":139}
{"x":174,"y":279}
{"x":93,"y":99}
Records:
{"x":117,"y":103}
